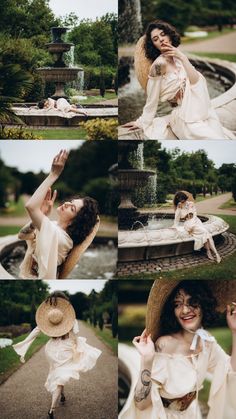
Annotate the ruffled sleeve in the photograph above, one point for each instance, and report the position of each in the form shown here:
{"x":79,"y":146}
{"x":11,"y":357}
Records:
{"x":156,"y":409}
{"x":22,"y":347}
{"x":222,"y":398}
{"x":150,"y":108}
{"x":87,"y":355}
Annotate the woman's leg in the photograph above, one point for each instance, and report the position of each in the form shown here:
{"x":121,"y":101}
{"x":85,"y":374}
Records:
{"x":63,"y":399}
{"x":213,"y":248}
{"x":55,"y":396}
{"x":208,"y":250}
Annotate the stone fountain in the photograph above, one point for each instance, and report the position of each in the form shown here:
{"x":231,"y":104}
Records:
{"x":155,"y":236}
{"x":59,"y":73}
{"x":131,"y":176}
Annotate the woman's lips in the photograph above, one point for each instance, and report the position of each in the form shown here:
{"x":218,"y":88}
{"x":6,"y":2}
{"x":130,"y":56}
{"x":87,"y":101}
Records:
{"x":188,"y":318}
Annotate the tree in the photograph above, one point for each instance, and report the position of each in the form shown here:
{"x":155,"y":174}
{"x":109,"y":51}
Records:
{"x":102,"y":87}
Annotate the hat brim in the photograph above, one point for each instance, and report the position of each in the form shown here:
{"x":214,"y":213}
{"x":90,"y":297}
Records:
{"x":141,"y":63}
{"x":64,"y":326}
{"x":223,"y":290}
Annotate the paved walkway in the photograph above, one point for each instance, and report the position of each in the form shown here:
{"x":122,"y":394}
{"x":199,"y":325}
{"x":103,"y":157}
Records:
{"x":93,"y":396}
{"x":225,"y":44}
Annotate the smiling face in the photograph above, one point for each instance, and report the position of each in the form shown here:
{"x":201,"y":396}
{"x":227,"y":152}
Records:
{"x":159,"y":37}
{"x":69,"y":210}
{"x":188,"y":316}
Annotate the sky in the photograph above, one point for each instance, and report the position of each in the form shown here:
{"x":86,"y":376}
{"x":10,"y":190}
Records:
{"x":218,"y":151}
{"x":33,"y":155}
{"x":84,"y":9}
{"x":74,"y":286}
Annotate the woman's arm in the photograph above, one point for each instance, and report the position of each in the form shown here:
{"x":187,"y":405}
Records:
{"x":146,"y":348}
{"x":33,"y":206}
{"x":231,"y":320}
{"x":171,"y":51}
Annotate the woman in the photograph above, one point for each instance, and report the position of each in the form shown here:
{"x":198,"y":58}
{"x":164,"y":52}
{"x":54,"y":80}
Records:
{"x":60,"y":104}
{"x":50,"y":242}
{"x":177,"y":353}
{"x":186,"y":213}
{"x":67,"y":353}
{"x":167,"y":75}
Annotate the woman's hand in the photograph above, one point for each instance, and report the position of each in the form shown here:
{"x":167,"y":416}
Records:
{"x":144,"y":345}
{"x":48,"y":202}
{"x":169,"y":50}
{"x":231,"y":317}
{"x":59,"y":163}
{"x":131,"y":125}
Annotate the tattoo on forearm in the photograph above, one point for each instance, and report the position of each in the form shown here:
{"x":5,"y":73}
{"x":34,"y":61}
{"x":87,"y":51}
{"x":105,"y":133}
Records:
{"x":156,"y":70}
{"x":143,"y":392}
{"x":27,"y":229}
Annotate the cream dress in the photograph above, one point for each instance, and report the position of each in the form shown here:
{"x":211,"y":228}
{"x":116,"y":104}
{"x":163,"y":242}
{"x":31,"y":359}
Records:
{"x":174,"y":376}
{"x":61,"y":104}
{"x":66,"y":357}
{"x":193,"y":226}
{"x":49,"y":249}
{"x":193,"y":118}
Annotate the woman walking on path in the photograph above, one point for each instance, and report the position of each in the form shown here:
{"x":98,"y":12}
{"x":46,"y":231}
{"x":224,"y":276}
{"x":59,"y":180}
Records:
{"x":67,"y":353}
{"x":177,"y":352}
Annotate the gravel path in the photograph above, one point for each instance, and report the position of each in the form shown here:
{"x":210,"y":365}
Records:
{"x":94,"y":396}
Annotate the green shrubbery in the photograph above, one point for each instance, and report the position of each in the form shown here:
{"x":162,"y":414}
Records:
{"x":92,"y":77}
{"x":101,"y":129}
{"x":17,"y":134}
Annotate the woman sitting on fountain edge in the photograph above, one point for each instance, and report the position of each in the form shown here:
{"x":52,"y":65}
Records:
{"x":60,"y":104}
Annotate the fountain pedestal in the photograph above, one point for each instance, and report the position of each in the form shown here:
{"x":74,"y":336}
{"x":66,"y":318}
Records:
{"x":59,"y":73}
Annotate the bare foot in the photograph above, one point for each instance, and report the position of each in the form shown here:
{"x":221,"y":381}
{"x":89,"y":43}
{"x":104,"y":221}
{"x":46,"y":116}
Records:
{"x":218,"y":258}
{"x":209,"y":255}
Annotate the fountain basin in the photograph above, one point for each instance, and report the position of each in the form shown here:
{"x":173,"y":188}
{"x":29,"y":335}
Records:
{"x":62,"y":75}
{"x":98,"y":261}
{"x":146,"y":244}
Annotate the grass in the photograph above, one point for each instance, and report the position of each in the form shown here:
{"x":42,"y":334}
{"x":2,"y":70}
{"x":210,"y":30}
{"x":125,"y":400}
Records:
{"x":14,"y":208}
{"x":10,"y":361}
{"x":94,"y":99}
{"x":224,"y":270}
{"x":221,"y":56}
{"x":6,"y":230}
{"x":106,"y":336}
{"x":231,"y":204}
{"x":61,"y":134}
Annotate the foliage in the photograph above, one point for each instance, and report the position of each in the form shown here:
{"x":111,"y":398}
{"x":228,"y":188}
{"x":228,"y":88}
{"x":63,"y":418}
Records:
{"x":233,"y":186}
{"x":17,"y":134}
{"x":102,"y":87}
{"x":101,"y":129}
{"x":102,"y":189}
{"x":92,"y":77}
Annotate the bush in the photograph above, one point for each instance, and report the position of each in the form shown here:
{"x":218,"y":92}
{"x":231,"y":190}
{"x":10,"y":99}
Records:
{"x":101,"y":129}
{"x":104,"y":192}
{"x":17,"y":134}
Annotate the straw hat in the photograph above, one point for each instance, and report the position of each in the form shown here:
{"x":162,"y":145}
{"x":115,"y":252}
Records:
{"x":141,"y":63}
{"x":223,"y":290}
{"x":55,"y":319}
{"x":77,"y":251}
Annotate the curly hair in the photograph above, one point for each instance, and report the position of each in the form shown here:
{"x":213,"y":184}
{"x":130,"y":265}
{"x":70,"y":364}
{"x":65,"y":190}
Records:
{"x":151,"y":51}
{"x":179,"y":197}
{"x":201,"y":296}
{"x":41,"y":103}
{"x":83,"y":223}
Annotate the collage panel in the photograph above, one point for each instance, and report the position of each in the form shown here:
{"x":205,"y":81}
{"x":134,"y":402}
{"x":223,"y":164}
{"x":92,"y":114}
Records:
{"x":182,"y":361}
{"x":58,"y":67}
{"x":58,"y":349}
{"x":59,"y":206}
{"x":177,"y":212}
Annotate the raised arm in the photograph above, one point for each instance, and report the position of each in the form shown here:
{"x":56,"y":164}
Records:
{"x":34,"y":205}
{"x":146,"y":348}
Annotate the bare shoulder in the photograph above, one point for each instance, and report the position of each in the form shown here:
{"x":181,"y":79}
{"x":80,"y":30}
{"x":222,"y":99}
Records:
{"x":165,"y":343}
{"x":158,"y":67}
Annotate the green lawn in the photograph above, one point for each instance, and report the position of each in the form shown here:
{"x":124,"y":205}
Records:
{"x":221,"y":56}
{"x":14,"y":208}
{"x":61,"y":133}
{"x":106,"y":336}
{"x":231,"y":204}
{"x":10,"y":361}
{"x":6,"y":230}
{"x":94,"y":99}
